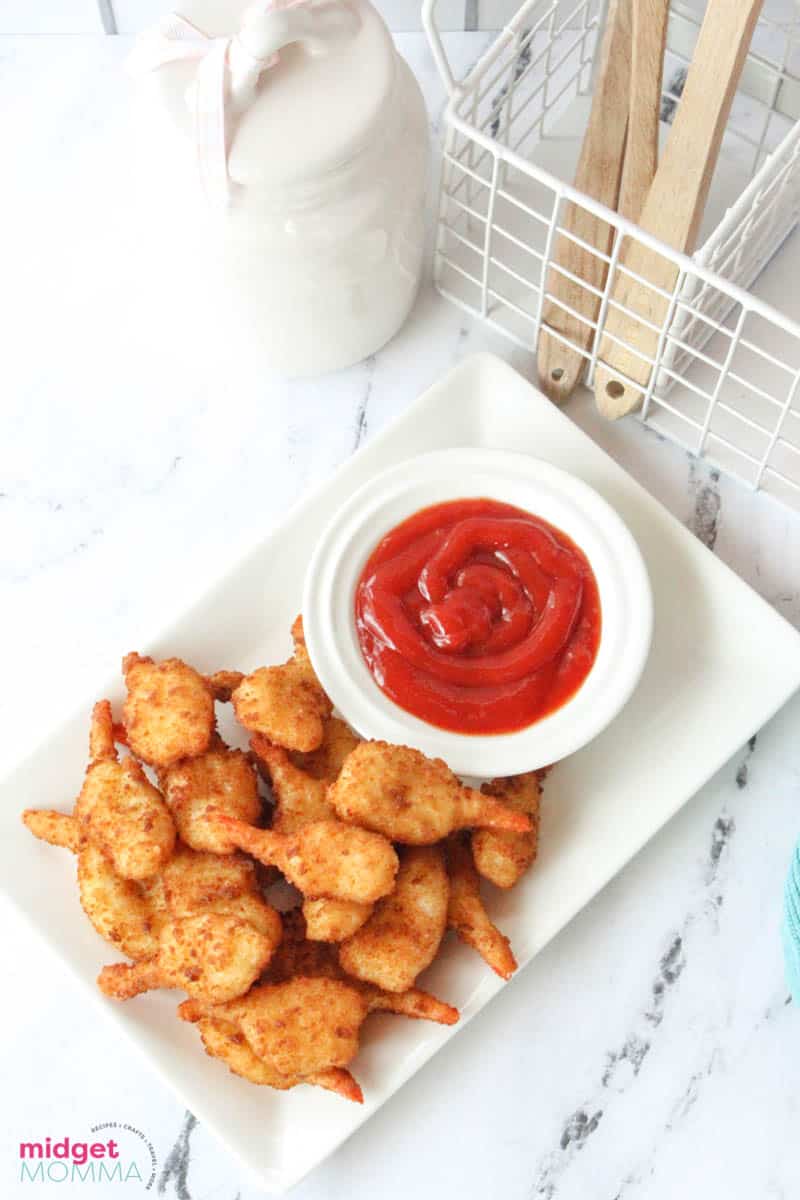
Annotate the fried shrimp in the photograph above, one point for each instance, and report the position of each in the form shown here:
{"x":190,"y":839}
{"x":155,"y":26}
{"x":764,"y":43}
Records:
{"x":224,"y":683}
{"x":385,"y":846}
{"x":286,"y":704}
{"x":409,"y":798}
{"x":296,"y":955}
{"x":121,"y":910}
{"x":56,"y":828}
{"x":199,"y":882}
{"x":169,"y":710}
{"x":308,"y":1023}
{"x":501,"y":857}
{"x":118,"y":809}
{"x":225,"y":1041}
{"x":326,"y":858}
{"x":334,"y":920}
{"x":327,"y":761}
{"x":467,"y":915}
{"x":299,"y":797}
{"x":402,"y":936}
{"x":194,"y":878}
{"x":220,"y":778}
{"x":212,"y":957}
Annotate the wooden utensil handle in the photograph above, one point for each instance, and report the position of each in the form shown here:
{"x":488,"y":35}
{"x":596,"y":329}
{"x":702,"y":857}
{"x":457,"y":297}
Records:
{"x":675,"y":204}
{"x":598,"y":174}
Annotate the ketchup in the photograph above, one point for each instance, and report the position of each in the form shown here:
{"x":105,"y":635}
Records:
{"x":477,"y":616}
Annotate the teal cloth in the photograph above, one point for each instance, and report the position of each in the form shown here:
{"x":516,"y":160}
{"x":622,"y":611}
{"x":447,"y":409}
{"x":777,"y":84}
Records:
{"x":791,"y":926}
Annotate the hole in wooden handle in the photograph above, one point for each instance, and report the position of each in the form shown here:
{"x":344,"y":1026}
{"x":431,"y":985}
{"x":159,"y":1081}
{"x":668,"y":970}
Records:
{"x":557,"y":373}
{"x":615,"y":389}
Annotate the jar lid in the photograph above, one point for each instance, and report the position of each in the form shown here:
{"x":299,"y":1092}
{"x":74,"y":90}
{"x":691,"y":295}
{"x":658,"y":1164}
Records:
{"x":314,"y":109}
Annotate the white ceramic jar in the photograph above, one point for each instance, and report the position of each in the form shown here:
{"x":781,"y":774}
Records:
{"x":315,"y":250}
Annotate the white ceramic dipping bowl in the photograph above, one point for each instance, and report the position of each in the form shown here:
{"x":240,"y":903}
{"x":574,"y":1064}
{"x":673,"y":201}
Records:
{"x":538,"y":488}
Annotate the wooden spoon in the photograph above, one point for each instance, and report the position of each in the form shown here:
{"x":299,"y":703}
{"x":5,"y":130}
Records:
{"x":674,"y":206}
{"x":598,"y":174}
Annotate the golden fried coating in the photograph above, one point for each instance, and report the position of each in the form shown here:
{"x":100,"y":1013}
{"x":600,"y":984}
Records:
{"x":118,"y":809}
{"x":280,"y":998}
{"x":286,"y":704}
{"x":200,"y":882}
{"x":403,"y":934}
{"x":222,"y":779}
{"x":299,"y":797}
{"x":301,"y":1026}
{"x":193,"y":879}
{"x":224,"y":683}
{"x":296,"y":955}
{"x":503,"y":857}
{"x":101,"y":733}
{"x":412,"y":799}
{"x":125,"y":815}
{"x":120,"y":910}
{"x":213,"y":957}
{"x":467,"y":915}
{"x":326,"y":858}
{"x":334,"y":920}
{"x":56,"y":828}
{"x":155,"y":895}
{"x":414,"y":1003}
{"x":338,"y":739}
{"x":308,"y":1023}
{"x":168,"y":712}
{"x":225,"y":1041}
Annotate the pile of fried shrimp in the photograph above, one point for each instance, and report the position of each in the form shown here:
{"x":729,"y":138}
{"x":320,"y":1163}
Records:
{"x":385,"y":850}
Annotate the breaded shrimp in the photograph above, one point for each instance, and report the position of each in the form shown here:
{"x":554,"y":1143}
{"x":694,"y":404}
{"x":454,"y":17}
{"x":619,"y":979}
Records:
{"x":467,"y":915}
{"x":121,"y":910}
{"x":56,"y":828}
{"x":286,"y":704}
{"x":199,"y":882}
{"x":334,"y":920}
{"x":169,"y":710}
{"x":213,"y":957}
{"x":307,"y":1024}
{"x":402,"y":936}
{"x":220,"y":778}
{"x":409,"y":798}
{"x":299,"y":797}
{"x":326,"y":858}
{"x":296,"y":955}
{"x":224,"y":683}
{"x":501,"y":857}
{"x":225,"y":1041}
{"x":195,"y":878}
{"x":338,"y":739}
{"x":118,"y":809}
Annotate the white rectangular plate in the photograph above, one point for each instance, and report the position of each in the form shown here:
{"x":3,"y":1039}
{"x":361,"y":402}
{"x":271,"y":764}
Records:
{"x":722,"y":663}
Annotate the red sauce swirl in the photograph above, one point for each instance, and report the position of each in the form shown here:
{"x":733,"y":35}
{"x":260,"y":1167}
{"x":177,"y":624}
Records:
{"x":477,"y":616}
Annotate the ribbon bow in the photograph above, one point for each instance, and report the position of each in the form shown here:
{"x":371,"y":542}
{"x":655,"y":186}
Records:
{"x":227,"y":73}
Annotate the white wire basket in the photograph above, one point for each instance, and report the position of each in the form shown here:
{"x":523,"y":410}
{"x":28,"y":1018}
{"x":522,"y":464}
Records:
{"x":725,"y":379}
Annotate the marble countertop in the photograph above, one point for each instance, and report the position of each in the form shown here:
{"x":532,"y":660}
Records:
{"x":651,"y":1050}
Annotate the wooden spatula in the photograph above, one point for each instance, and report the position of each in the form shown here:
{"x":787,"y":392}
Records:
{"x":674,"y":206}
{"x":647,"y":64}
{"x":598,"y":174}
